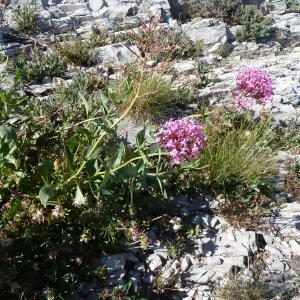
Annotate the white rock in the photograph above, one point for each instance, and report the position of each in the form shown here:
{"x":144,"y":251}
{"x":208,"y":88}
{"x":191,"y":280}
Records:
{"x":221,"y":270}
{"x":159,"y":249}
{"x":275,"y":7}
{"x":247,"y":239}
{"x":96,"y":5}
{"x":283,"y":247}
{"x":287,"y":220}
{"x":274,"y":251}
{"x":212,"y":260}
{"x":238,"y":261}
{"x":275,"y":265}
{"x":153,"y":262}
{"x":169,"y":272}
{"x":184,"y":67}
{"x":268,"y":238}
{"x":200,"y":275}
{"x":116,"y":53}
{"x":185,"y":263}
{"x":206,"y":220}
{"x":210,"y":31}
{"x":295,"y":247}
{"x":151,"y":63}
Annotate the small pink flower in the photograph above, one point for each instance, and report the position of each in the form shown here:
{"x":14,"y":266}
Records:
{"x":253,"y":85}
{"x":182,"y":139}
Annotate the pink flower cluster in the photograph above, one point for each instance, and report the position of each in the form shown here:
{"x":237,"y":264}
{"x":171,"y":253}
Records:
{"x":182,"y":139}
{"x":253,"y":85}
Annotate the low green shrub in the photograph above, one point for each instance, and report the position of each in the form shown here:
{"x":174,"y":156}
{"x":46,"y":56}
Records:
{"x":223,"y":51}
{"x":255,"y":26}
{"x":39,"y":65}
{"x":70,"y":96}
{"x":25,"y":17}
{"x":215,"y":8}
{"x":295,"y":166}
{"x":180,"y":46}
{"x":74,"y":50}
{"x":293,"y":6}
{"x":161,"y":43}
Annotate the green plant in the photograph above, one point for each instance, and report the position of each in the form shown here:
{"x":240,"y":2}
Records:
{"x":25,"y":17}
{"x":77,"y":51}
{"x":74,"y":50}
{"x":39,"y":65}
{"x":177,"y":45}
{"x":126,"y":292}
{"x":3,"y":57}
{"x":162,"y":44}
{"x":238,"y":150}
{"x":159,"y":98}
{"x":295,"y":165}
{"x":293,"y":6}
{"x":255,"y":26}
{"x":292,"y":179}
{"x":69,"y":192}
{"x":223,"y":51}
{"x":238,"y":289}
{"x":215,"y":8}
{"x":85,"y":89}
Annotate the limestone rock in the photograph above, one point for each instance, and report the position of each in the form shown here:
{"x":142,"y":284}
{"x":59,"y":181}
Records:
{"x":116,"y":53}
{"x":169,"y":272}
{"x":210,"y":31}
{"x":153,"y":262}
{"x":96,"y":5}
{"x":201,"y":275}
{"x":184,"y":67}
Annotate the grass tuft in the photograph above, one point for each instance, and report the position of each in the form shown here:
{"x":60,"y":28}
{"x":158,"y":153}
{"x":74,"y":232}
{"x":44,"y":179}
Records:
{"x":238,"y":289}
{"x":158,"y":98}
{"x":77,"y":51}
{"x":238,"y":150}
{"x":25,"y":17}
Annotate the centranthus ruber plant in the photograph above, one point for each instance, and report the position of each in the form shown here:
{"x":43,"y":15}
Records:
{"x":182,"y":139}
{"x":253,"y":85}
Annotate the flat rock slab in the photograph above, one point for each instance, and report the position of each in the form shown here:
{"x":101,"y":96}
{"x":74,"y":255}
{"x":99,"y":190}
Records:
{"x":114,"y":54}
{"x":288,"y":221}
{"x":209,"y":31}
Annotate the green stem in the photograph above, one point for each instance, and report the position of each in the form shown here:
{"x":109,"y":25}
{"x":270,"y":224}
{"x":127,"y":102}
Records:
{"x":130,"y":161}
{"x":200,"y":115}
{"x":116,"y":122}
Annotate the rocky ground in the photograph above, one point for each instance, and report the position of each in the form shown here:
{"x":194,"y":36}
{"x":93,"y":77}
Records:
{"x":215,"y":249}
